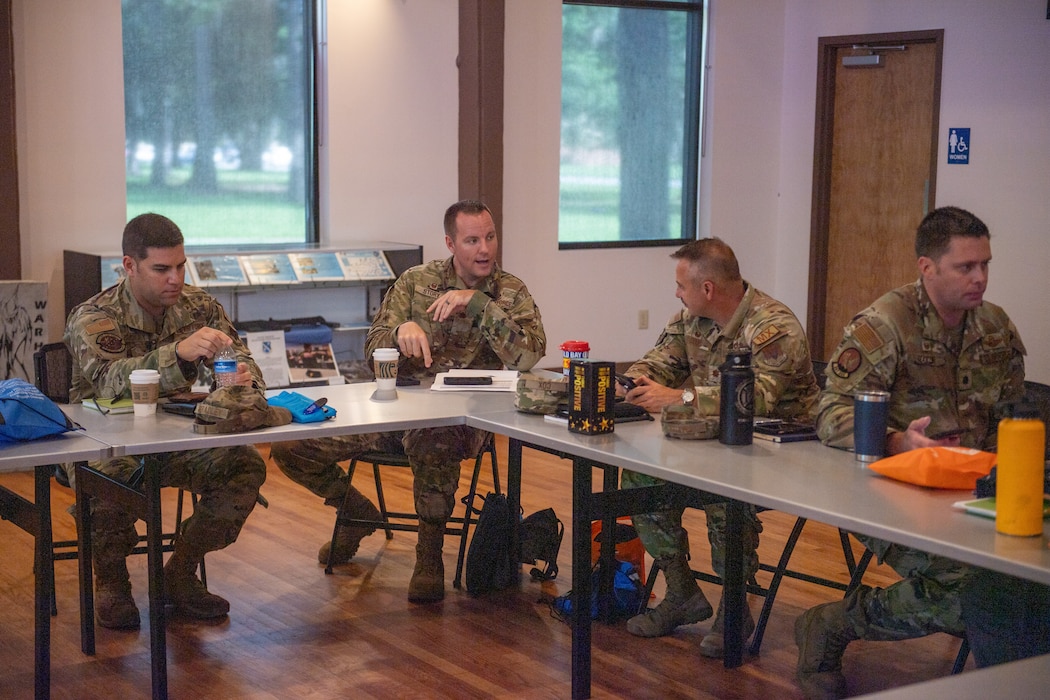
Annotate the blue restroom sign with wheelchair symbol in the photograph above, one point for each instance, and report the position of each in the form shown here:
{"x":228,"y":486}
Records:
{"x":958,"y":146}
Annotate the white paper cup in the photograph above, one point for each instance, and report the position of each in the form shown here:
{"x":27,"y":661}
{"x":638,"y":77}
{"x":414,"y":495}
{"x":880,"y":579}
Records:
{"x":145,"y":388}
{"x":385,"y":362}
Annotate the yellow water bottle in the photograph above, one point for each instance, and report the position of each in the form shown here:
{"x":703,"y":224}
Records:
{"x":1019,"y":473}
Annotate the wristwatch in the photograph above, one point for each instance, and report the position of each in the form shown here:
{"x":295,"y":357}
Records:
{"x":688,"y":395}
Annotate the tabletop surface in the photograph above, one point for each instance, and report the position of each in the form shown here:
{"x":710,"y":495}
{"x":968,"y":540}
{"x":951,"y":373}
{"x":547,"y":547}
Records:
{"x":67,"y":447}
{"x":356,"y":412}
{"x":802,"y":478}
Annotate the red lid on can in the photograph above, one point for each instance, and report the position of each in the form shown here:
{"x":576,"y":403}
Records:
{"x":575,"y":346}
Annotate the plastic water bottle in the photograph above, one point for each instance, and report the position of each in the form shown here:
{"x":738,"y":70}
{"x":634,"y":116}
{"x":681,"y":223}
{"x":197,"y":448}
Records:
{"x":736,"y":412}
{"x":1019,"y":474}
{"x":225,"y":367}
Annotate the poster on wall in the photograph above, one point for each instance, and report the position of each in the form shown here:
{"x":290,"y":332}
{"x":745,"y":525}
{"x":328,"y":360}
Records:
{"x":24,"y":308}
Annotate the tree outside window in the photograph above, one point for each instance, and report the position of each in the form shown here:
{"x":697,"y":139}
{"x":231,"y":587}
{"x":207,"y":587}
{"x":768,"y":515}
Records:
{"x":630,"y":124}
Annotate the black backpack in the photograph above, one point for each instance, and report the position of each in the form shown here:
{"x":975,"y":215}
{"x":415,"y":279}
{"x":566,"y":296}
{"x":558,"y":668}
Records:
{"x":489,"y":566}
{"x":541,"y":535}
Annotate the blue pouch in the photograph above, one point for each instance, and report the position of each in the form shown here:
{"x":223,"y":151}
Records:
{"x":26,"y":414}
{"x":303,"y":408}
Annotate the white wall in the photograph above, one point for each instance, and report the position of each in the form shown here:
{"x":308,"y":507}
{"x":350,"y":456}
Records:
{"x":393,"y":113}
{"x":70,"y":120}
{"x":391,"y":153}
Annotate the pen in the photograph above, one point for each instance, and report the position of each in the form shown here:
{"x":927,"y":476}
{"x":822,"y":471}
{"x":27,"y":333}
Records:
{"x":315,"y":406}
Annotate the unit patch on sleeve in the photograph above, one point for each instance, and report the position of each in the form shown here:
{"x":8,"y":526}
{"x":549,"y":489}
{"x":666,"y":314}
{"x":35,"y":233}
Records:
{"x":847,"y":363}
{"x":110,"y":343}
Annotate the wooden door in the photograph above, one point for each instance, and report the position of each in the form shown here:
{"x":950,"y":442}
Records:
{"x":875,"y":169}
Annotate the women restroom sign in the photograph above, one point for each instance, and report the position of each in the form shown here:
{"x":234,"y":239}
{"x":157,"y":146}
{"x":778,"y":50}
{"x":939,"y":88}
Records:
{"x":958,"y":146}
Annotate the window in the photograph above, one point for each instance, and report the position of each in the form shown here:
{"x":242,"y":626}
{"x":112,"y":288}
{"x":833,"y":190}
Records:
{"x":219,"y":118}
{"x":630,"y":108}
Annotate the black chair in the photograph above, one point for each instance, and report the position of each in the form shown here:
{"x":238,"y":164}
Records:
{"x":457,"y":525}
{"x":1039,"y":394}
{"x":53,"y":367}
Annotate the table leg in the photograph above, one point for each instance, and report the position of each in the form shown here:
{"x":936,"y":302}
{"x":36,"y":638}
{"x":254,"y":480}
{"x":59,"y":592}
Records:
{"x":155,"y":566}
{"x":580,"y":618}
{"x":514,"y":503}
{"x":45,"y":582}
{"x":607,"y":549}
{"x":84,"y":563}
{"x":734,"y":587}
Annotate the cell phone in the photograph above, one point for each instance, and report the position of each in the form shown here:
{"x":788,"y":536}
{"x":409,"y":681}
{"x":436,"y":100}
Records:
{"x":407,"y":381}
{"x":952,"y":432}
{"x":626,"y":382}
{"x":468,"y":381}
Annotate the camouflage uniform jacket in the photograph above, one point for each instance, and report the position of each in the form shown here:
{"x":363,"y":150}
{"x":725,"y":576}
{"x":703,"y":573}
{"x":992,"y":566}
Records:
{"x":500,"y":326}
{"x":109,"y":335}
{"x":899,"y":344}
{"x":691,"y":349}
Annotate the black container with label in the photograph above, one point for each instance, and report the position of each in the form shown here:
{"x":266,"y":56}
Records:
{"x":736,"y":410}
{"x":591,"y":396}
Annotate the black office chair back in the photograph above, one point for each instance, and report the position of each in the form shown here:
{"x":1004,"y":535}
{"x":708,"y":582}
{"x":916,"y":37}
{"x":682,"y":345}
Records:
{"x":1039,"y":394}
{"x":818,"y":370}
{"x":53,"y":366}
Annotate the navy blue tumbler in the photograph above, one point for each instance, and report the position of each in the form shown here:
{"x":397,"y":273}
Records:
{"x":870,"y":409}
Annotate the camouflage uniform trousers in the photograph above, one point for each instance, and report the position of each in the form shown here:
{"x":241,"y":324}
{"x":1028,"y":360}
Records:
{"x":227,"y":479}
{"x":925,"y":601}
{"x":664,"y":537}
{"x":434,"y":454}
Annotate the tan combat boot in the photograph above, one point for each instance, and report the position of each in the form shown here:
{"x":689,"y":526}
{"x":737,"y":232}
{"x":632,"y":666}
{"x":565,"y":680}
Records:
{"x":115,"y":609}
{"x":185,"y":591}
{"x":822,"y":634}
{"x":348,"y":538}
{"x":713,"y":644}
{"x":683,"y":604}
{"x":428,"y":578}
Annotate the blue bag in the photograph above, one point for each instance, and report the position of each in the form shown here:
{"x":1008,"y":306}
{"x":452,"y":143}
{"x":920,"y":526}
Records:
{"x":628,"y":594}
{"x":26,"y":414}
{"x":303,"y":408}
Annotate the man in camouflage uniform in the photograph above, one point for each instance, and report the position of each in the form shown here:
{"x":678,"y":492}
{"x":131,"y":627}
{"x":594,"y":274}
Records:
{"x":152,"y":320}
{"x":946,"y":357}
{"x":722,"y":313}
{"x":461,"y":312}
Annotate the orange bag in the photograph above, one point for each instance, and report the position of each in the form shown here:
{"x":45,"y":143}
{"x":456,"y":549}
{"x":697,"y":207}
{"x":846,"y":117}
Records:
{"x":628,"y":545}
{"x":938,"y":467}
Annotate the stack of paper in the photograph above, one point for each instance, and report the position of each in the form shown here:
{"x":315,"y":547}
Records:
{"x":502,"y":380}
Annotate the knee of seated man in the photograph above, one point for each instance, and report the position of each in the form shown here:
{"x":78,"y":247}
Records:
{"x":434,"y":507}
{"x":234,"y":469}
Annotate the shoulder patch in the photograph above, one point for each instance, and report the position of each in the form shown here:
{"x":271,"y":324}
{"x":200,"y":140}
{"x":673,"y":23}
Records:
{"x":847,"y":362}
{"x":771,"y":331}
{"x":868,"y":337}
{"x":110,"y":343}
{"x":100,"y":326}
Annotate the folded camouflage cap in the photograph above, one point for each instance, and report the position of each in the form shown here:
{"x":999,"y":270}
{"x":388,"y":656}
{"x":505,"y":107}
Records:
{"x":540,"y":391}
{"x":237,"y":409}
{"x":686,"y":423}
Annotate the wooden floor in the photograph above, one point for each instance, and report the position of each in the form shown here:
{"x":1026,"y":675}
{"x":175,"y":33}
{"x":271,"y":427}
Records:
{"x":294,"y":632}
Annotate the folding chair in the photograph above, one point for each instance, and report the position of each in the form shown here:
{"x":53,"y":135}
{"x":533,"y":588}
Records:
{"x":53,"y":367}
{"x":457,"y":525}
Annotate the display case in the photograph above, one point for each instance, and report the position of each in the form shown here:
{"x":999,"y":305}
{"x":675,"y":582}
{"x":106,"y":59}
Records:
{"x":343,"y":284}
